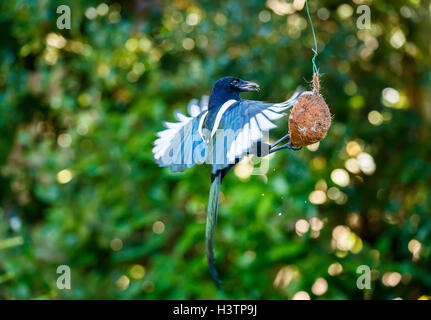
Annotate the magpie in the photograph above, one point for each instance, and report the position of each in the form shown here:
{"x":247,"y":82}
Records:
{"x":220,"y":131}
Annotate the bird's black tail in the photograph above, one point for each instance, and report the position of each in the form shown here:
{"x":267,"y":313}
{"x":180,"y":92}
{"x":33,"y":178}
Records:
{"x":211,"y":222}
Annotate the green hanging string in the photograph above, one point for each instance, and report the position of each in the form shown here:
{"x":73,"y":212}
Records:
{"x":315,"y":70}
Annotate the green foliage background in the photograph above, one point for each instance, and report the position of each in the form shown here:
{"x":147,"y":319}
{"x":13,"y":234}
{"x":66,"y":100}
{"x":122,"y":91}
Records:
{"x":90,"y":100}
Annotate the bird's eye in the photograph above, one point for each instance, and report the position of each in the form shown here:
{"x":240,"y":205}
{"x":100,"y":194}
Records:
{"x":234,"y":82}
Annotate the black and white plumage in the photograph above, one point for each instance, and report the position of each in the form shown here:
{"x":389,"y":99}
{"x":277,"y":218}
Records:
{"x":220,"y":131}
{"x":240,"y":123}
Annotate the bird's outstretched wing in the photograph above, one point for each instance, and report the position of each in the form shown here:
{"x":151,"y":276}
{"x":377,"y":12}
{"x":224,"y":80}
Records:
{"x":242,"y":126}
{"x":180,"y":145}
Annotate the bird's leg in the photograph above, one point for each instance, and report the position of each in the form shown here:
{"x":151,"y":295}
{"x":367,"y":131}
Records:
{"x":286,"y":137}
{"x":288,"y":145}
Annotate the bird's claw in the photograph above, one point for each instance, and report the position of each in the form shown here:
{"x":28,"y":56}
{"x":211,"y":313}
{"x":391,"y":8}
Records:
{"x":287,"y":145}
{"x":292,"y":147}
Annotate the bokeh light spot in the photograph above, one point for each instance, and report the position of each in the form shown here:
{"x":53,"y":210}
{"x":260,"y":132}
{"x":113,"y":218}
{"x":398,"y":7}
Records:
{"x":102,"y":9}
{"x":390,"y":95}
{"x":335,"y":269}
{"x":375,"y":118}
{"x":264,"y":16}
{"x":340,"y":177}
{"x":244,"y":168}
{"x":188,"y":43}
{"x":316,"y":224}
{"x":116,"y":244}
{"x":301,"y":226}
{"x":353,"y":148}
{"x":91,"y":13}
{"x":317,"y":197}
{"x":64,"y":140}
{"x":366,"y":163}
{"x":323,"y":13}
{"x":344,"y":11}
{"x":352,"y":165}
{"x":285,"y":275}
{"x":64,"y":176}
{"x":319,"y":287}
{"x":415,"y":247}
{"x":192,"y":19}
{"x":158,"y":227}
{"x":391,"y":279}
{"x":301,"y":295}
{"x":137,"y":271}
{"x":313,"y":147}
{"x":123,"y":282}
{"x":398,"y":39}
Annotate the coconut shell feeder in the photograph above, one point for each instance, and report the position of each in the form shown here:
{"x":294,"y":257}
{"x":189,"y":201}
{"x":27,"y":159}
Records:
{"x":310,"y":118}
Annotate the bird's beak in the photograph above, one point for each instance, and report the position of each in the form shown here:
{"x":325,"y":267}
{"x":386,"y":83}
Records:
{"x":248,"y":86}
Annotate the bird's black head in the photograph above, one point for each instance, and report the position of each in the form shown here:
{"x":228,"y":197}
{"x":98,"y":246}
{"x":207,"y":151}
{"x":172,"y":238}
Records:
{"x":227,"y":88}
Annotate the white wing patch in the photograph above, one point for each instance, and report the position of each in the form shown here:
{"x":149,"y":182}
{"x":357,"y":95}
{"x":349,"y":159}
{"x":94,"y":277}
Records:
{"x":167,"y":136}
{"x":201,"y":123}
{"x":176,"y":145}
{"x":251,"y":133}
{"x":222,"y":110}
